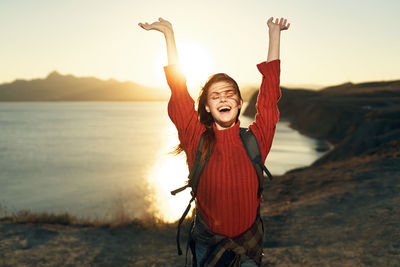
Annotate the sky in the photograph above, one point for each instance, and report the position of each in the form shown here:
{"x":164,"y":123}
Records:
{"x":328,"y":43}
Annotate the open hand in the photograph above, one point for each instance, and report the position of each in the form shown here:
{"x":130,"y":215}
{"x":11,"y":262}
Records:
{"x":161,"y":25}
{"x":279,"y":25}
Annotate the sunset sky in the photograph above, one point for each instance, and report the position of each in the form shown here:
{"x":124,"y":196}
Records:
{"x":329,"y":42}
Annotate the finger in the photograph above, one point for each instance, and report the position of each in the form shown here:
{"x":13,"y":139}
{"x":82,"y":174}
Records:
{"x":160,"y":19}
{"x":147,"y":26}
{"x":281,"y":21}
{"x":285,"y":27}
{"x":142,"y":25}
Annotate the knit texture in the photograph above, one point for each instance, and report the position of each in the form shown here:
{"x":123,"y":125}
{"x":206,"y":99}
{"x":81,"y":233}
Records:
{"x":227,"y":192}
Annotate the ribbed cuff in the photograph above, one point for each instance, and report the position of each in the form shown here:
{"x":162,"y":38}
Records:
{"x":268,"y":67}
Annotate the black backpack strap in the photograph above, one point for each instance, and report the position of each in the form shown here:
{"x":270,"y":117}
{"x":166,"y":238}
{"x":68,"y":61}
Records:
{"x":252,"y":148}
{"x":198,"y":167}
{"x":178,"y":233}
{"x":196,"y":171}
{"x":194,"y":178}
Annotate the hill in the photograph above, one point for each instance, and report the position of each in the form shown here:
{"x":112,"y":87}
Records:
{"x":57,"y":87}
{"x":358,"y":116}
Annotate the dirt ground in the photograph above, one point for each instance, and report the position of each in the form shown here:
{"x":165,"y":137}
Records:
{"x":337,"y":214}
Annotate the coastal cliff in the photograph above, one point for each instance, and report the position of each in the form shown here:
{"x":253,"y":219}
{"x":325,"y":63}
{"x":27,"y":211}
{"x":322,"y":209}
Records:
{"x":355,"y":118}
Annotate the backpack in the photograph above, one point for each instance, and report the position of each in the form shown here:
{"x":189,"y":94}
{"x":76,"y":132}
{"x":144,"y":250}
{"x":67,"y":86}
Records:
{"x":253,"y":151}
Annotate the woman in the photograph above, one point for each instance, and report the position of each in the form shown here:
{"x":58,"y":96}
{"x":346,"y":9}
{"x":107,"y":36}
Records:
{"x":227,"y":202}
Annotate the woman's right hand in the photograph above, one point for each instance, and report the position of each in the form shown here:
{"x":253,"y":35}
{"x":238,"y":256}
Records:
{"x":165,"y":27}
{"x":161,"y":25}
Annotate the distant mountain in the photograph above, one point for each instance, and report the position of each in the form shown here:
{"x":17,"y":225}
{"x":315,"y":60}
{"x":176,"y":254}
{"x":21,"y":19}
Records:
{"x":309,"y":86}
{"x":362,"y":88}
{"x":58,"y":87}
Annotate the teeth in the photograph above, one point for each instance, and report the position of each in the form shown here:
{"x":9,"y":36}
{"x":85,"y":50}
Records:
{"x":224,"y":109}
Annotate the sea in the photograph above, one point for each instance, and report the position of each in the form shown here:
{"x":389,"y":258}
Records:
{"x":108,"y":160}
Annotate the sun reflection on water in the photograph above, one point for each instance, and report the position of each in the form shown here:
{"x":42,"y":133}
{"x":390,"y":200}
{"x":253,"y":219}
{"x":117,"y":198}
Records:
{"x":168,"y":173}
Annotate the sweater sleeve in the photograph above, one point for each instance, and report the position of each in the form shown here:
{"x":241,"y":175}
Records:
{"x":267,"y":109}
{"x":182,"y":112}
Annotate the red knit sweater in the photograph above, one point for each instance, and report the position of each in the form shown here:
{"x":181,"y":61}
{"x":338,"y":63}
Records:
{"x":227,"y":192}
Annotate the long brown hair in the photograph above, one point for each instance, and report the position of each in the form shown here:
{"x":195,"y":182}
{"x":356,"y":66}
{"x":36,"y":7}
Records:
{"x":205,"y":117}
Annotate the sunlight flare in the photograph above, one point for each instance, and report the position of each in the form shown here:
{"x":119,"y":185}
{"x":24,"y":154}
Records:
{"x":195,"y":62}
{"x":168,"y":173}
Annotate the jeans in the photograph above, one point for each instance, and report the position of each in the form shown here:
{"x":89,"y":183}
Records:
{"x":201,"y":250}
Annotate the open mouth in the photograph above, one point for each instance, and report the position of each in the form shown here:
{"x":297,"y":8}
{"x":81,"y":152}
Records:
{"x":224,"y":109}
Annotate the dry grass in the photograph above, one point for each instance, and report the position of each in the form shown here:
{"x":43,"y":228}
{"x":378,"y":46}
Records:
{"x":120,"y":218}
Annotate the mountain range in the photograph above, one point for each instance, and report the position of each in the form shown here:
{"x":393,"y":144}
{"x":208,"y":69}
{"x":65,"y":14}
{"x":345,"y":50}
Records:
{"x":58,"y":87}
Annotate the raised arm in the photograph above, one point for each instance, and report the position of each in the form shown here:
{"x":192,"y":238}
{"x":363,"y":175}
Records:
{"x":165,"y":27}
{"x":275,"y":29}
{"x":181,"y":105}
{"x":267,"y":109}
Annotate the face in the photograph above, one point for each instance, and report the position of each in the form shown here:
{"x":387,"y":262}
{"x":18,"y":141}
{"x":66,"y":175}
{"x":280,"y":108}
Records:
{"x":224,"y":103}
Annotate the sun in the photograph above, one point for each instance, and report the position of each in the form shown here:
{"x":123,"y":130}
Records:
{"x":195,"y":63}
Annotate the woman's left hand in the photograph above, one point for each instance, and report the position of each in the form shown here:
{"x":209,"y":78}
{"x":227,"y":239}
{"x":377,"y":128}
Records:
{"x":279,"y":24}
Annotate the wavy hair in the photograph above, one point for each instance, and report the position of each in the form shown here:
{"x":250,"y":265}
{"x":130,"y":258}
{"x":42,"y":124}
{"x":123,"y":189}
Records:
{"x":205,"y":117}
